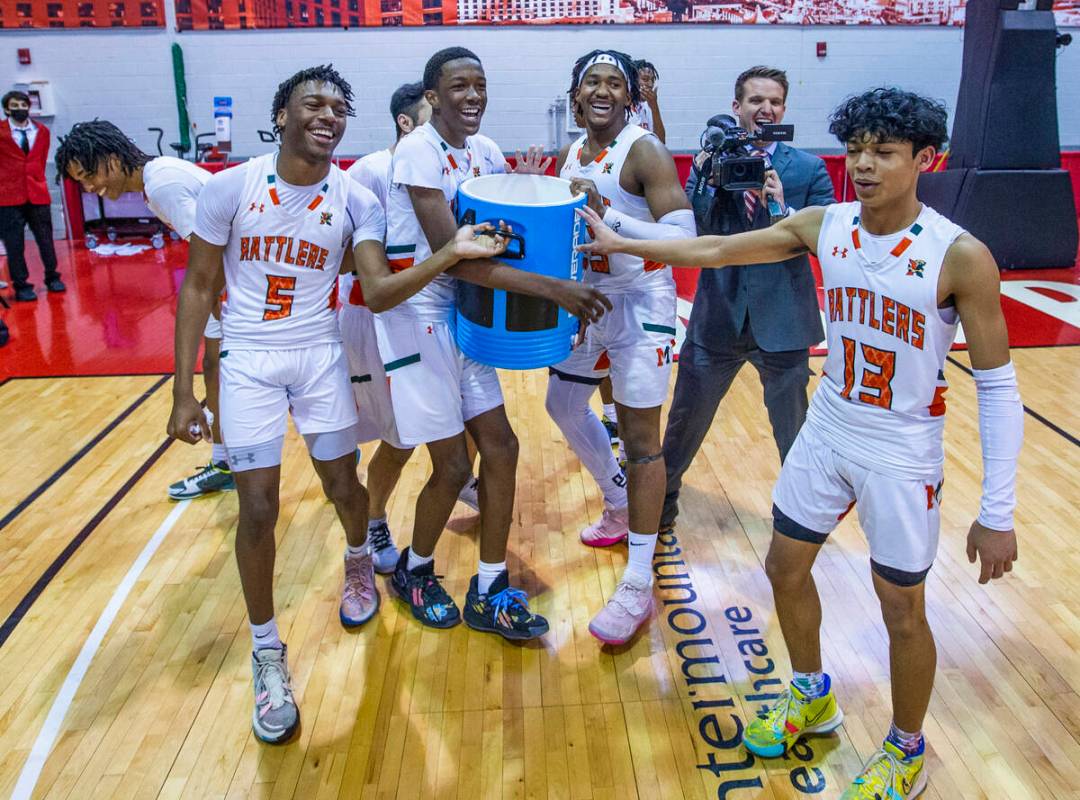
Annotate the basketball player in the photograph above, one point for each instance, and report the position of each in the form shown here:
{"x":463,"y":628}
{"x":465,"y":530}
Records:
{"x":632,"y":184}
{"x":437,"y":392}
{"x":409,"y":109}
{"x":106,"y":162}
{"x":898,"y":279}
{"x":276,"y":229}
{"x":646,"y":114}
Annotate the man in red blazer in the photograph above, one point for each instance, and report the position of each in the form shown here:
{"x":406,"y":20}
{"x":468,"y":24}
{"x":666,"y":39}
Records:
{"x":24,"y":196}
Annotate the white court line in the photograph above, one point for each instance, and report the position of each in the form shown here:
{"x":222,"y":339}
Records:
{"x":43,"y":745}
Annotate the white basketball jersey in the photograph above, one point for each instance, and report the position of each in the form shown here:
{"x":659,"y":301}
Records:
{"x":641,"y":115}
{"x":881,"y":398}
{"x":281,"y":268}
{"x":617,"y":273}
{"x":373,"y":171}
{"x":424,"y":159}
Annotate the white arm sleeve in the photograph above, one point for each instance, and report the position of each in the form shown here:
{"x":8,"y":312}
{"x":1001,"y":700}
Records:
{"x":677,"y":224}
{"x":1001,"y":429}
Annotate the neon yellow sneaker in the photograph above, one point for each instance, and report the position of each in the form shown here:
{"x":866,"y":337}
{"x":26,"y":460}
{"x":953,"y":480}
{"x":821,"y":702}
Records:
{"x":792,"y":716}
{"x":890,"y":774}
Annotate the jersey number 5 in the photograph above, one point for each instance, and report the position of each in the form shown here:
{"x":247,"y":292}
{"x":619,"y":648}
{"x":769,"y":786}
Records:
{"x":278,"y":304}
{"x":878,"y":370}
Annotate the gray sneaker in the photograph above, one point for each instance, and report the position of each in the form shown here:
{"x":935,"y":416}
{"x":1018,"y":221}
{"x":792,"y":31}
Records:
{"x":276,"y":717}
{"x":383,"y":550}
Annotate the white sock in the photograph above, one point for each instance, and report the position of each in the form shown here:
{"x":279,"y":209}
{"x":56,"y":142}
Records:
{"x":639,"y":567}
{"x":265,"y":635}
{"x":609,"y":412}
{"x":375,"y":523}
{"x":218,"y":454}
{"x":362,"y":550}
{"x":486,"y":575}
{"x":418,"y":561}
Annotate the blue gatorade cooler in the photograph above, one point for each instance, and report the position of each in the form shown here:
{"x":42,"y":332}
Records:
{"x":506,"y":329}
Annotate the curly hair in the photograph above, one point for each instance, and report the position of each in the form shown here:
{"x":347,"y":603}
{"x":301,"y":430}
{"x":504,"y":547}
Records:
{"x":94,"y":142}
{"x":433,"y":68}
{"x":888,"y":114}
{"x":324,"y":73}
{"x":628,"y":65}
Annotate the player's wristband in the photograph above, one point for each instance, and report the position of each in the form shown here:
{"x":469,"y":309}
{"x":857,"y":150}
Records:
{"x":677,"y":224}
{"x":1001,"y":429}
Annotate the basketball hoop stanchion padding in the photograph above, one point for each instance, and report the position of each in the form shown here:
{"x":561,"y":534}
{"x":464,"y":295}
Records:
{"x":506,"y":329}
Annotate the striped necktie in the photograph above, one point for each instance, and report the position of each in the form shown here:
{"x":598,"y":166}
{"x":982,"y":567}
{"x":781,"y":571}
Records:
{"x":751,"y":197}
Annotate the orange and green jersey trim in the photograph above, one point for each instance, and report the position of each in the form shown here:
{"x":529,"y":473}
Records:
{"x":400,"y":256}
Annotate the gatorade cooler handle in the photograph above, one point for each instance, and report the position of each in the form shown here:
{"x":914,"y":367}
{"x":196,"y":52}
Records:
{"x":469,"y":218}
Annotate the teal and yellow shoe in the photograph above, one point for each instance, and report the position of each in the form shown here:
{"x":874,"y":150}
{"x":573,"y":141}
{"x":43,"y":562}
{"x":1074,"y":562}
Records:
{"x":211,"y":478}
{"x":890,"y":774}
{"x":792,"y":716}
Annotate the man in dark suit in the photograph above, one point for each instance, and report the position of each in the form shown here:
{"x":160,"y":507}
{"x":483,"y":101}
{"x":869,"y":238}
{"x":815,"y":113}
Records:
{"x":24,"y":195}
{"x":766,"y":315}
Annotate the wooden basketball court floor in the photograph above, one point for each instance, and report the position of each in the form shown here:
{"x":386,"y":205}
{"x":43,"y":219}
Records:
{"x":124,"y":658}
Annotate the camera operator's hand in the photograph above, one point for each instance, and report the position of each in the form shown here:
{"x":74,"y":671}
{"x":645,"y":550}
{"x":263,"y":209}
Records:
{"x":773,"y":188}
{"x":587,"y":187}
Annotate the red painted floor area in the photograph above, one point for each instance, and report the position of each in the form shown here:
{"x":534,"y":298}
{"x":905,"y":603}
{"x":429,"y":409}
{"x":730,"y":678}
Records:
{"x":117,"y":315}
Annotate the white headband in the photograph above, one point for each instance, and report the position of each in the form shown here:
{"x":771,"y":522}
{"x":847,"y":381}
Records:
{"x":605,"y":58}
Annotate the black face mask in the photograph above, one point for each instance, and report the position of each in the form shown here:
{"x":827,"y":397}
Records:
{"x":20,"y":115}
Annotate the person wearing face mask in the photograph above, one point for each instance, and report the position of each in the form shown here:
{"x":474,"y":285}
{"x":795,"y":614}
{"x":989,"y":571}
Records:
{"x":24,"y":196}
{"x":765,"y":315}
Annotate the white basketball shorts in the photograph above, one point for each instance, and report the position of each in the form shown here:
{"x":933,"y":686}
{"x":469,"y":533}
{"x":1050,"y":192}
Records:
{"x":634,"y":343}
{"x":373,"y":405}
{"x":900,"y":518}
{"x":260,"y":387}
{"x":434,"y":388}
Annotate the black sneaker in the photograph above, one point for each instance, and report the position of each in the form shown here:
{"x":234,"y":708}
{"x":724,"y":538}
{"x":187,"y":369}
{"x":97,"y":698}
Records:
{"x":420,"y":588}
{"x":55,"y":285}
{"x":503,"y":610}
{"x":25,"y":294}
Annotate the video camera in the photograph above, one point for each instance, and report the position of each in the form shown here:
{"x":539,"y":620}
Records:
{"x":733,"y":168}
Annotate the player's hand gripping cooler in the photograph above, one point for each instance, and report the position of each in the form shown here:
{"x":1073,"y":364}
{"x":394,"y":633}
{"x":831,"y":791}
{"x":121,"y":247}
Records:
{"x":506,"y":329}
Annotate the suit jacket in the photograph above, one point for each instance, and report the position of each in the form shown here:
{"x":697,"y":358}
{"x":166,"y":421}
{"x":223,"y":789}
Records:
{"x":779,"y":299}
{"x":22,"y":175}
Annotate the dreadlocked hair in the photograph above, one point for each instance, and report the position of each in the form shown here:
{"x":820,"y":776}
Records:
{"x":626,"y":62}
{"x":324,"y":73}
{"x":642,"y":64}
{"x":91,"y":143}
{"x":434,"y":66}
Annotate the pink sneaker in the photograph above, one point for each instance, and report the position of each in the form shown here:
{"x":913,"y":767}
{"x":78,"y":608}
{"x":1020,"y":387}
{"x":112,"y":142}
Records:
{"x":611,"y":529}
{"x":627,"y":610}
{"x":359,"y":597}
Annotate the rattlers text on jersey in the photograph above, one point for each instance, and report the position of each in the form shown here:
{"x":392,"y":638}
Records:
{"x":881,"y":398}
{"x":619,"y":272}
{"x":424,"y":159}
{"x":281,"y":263}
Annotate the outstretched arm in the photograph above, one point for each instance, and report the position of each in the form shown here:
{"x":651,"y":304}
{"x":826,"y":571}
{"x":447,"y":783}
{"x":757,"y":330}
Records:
{"x":970,"y":277}
{"x":385,"y":289}
{"x":790,"y":237}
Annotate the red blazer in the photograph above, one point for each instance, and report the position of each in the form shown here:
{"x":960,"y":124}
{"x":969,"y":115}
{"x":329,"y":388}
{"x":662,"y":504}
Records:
{"x":22,"y":175}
